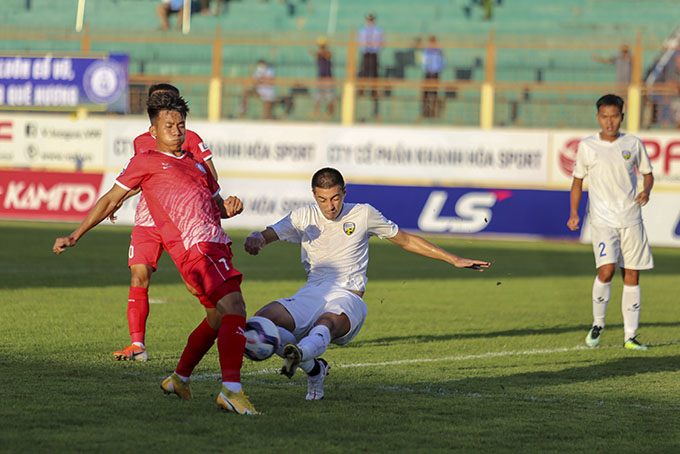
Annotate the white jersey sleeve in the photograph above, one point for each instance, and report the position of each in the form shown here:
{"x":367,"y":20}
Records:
{"x":643,"y":164}
{"x":378,"y":225}
{"x":287,"y":229}
{"x":580,"y":165}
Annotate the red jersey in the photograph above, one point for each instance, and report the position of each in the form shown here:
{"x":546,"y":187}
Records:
{"x":179,"y":192}
{"x":146,"y":142}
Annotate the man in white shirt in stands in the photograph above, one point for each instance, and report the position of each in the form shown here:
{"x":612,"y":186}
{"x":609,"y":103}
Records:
{"x":329,"y":308}
{"x":610,"y":159}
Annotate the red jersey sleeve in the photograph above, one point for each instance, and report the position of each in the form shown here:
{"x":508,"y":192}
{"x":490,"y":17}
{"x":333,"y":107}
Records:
{"x":196,"y":146}
{"x":134,"y":172}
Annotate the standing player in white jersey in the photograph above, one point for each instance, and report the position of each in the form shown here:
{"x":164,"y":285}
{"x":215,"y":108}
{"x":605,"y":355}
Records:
{"x":610,"y":159}
{"x":146,"y":245}
{"x":329,"y":308}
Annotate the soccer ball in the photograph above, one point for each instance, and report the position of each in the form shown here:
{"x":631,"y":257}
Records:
{"x":262,"y":338}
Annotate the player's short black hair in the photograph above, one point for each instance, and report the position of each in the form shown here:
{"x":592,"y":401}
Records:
{"x":163,"y":87}
{"x":327,"y":178}
{"x":165,"y":100}
{"x":610,"y":100}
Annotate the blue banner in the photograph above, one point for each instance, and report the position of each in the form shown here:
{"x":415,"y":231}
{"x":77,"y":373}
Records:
{"x":64,"y":83}
{"x":471,"y":210}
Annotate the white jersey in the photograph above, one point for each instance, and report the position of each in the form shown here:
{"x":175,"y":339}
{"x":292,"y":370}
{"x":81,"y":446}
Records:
{"x":612,"y":182}
{"x":335,"y":252}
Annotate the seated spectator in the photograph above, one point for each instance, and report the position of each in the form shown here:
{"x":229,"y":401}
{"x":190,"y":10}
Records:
{"x":167,"y":8}
{"x":262,"y":86}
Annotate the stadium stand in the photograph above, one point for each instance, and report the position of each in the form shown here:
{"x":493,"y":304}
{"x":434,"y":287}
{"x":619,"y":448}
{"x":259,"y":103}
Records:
{"x":552,"y":44}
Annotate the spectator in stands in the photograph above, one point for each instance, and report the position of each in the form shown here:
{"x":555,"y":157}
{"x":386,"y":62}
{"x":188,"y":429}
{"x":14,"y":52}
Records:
{"x":325,"y":91}
{"x":166,"y":9}
{"x":263,"y":86}
{"x":371,"y":41}
{"x":433,"y":65}
{"x":622,"y":62}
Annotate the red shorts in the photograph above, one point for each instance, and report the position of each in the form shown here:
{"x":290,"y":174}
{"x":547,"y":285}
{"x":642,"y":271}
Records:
{"x":207,"y":268}
{"x":146,"y":247}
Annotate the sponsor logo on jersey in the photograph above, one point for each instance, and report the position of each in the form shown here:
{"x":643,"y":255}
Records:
{"x":203,"y":146}
{"x":122,"y":172}
{"x":200,"y":167}
{"x":349,"y":228}
{"x":626,"y":154}
{"x":165,"y":165}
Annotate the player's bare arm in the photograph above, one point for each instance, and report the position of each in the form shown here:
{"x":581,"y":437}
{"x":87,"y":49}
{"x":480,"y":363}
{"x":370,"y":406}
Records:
{"x":258,"y":240}
{"x":229,"y":207}
{"x":647,"y":184}
{"x":420,"y":246}
{"x":131,"y":193}
{"x":101,"y":210}
{"x":211,"y":167}
{"x":574,"y":200}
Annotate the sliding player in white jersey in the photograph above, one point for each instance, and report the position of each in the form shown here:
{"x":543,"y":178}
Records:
{"x":610,"y":159}
{"x":334,"y":240}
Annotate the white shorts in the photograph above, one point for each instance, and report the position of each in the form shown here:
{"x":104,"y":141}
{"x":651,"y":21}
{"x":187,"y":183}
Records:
{"x":310,"y":302}
{"x":628,"y":247}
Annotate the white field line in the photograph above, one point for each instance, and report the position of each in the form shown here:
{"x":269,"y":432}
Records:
{"x":543,"y":351}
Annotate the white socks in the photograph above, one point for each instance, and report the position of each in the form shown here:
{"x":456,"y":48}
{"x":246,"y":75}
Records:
{"x":232,"y":386}
{"x":630,"y":307}
{"x":315,"y":343}
{"x":286,"y":337}
{"x":601,"y":293}
{"x":311,"y":346}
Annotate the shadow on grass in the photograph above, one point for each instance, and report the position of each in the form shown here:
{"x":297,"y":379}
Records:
{"x":395,"y":340}
{"x":621,"y":367}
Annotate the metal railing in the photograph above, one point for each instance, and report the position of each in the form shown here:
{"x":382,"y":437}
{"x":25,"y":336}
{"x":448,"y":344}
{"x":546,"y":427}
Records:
{"x":484,"y":100}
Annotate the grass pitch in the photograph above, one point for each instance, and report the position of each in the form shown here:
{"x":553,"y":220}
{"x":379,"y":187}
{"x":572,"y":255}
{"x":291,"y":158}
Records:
{"x":448,"y":360}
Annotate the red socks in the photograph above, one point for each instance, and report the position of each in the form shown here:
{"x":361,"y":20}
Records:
{"x":231,"y":342}
{"x":198,"y":344}
{"x":137,"y":312}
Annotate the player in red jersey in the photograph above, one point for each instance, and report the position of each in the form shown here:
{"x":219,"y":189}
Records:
{"x":184,"y":202}
{"x":146,"y":246}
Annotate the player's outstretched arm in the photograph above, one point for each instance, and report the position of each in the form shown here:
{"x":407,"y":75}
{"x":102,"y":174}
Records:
{"x":256,"y":241}
{"x":420,"y":246}
{"x":574,"y":200}
{"x":132,"y":192}
{"x":101,"y":210}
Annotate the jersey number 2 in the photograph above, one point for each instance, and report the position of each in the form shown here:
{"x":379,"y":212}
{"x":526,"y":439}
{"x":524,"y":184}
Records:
{"x":601,"y":246}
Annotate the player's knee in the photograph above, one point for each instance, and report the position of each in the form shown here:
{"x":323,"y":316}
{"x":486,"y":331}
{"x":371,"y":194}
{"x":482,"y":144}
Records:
{"x":606,"y":273}
{"x":140,"y":275}
{"x":338,"y":324}
{"x":630,"y":277}
{"x":275,"y":312}
{"x":232,"y":303}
